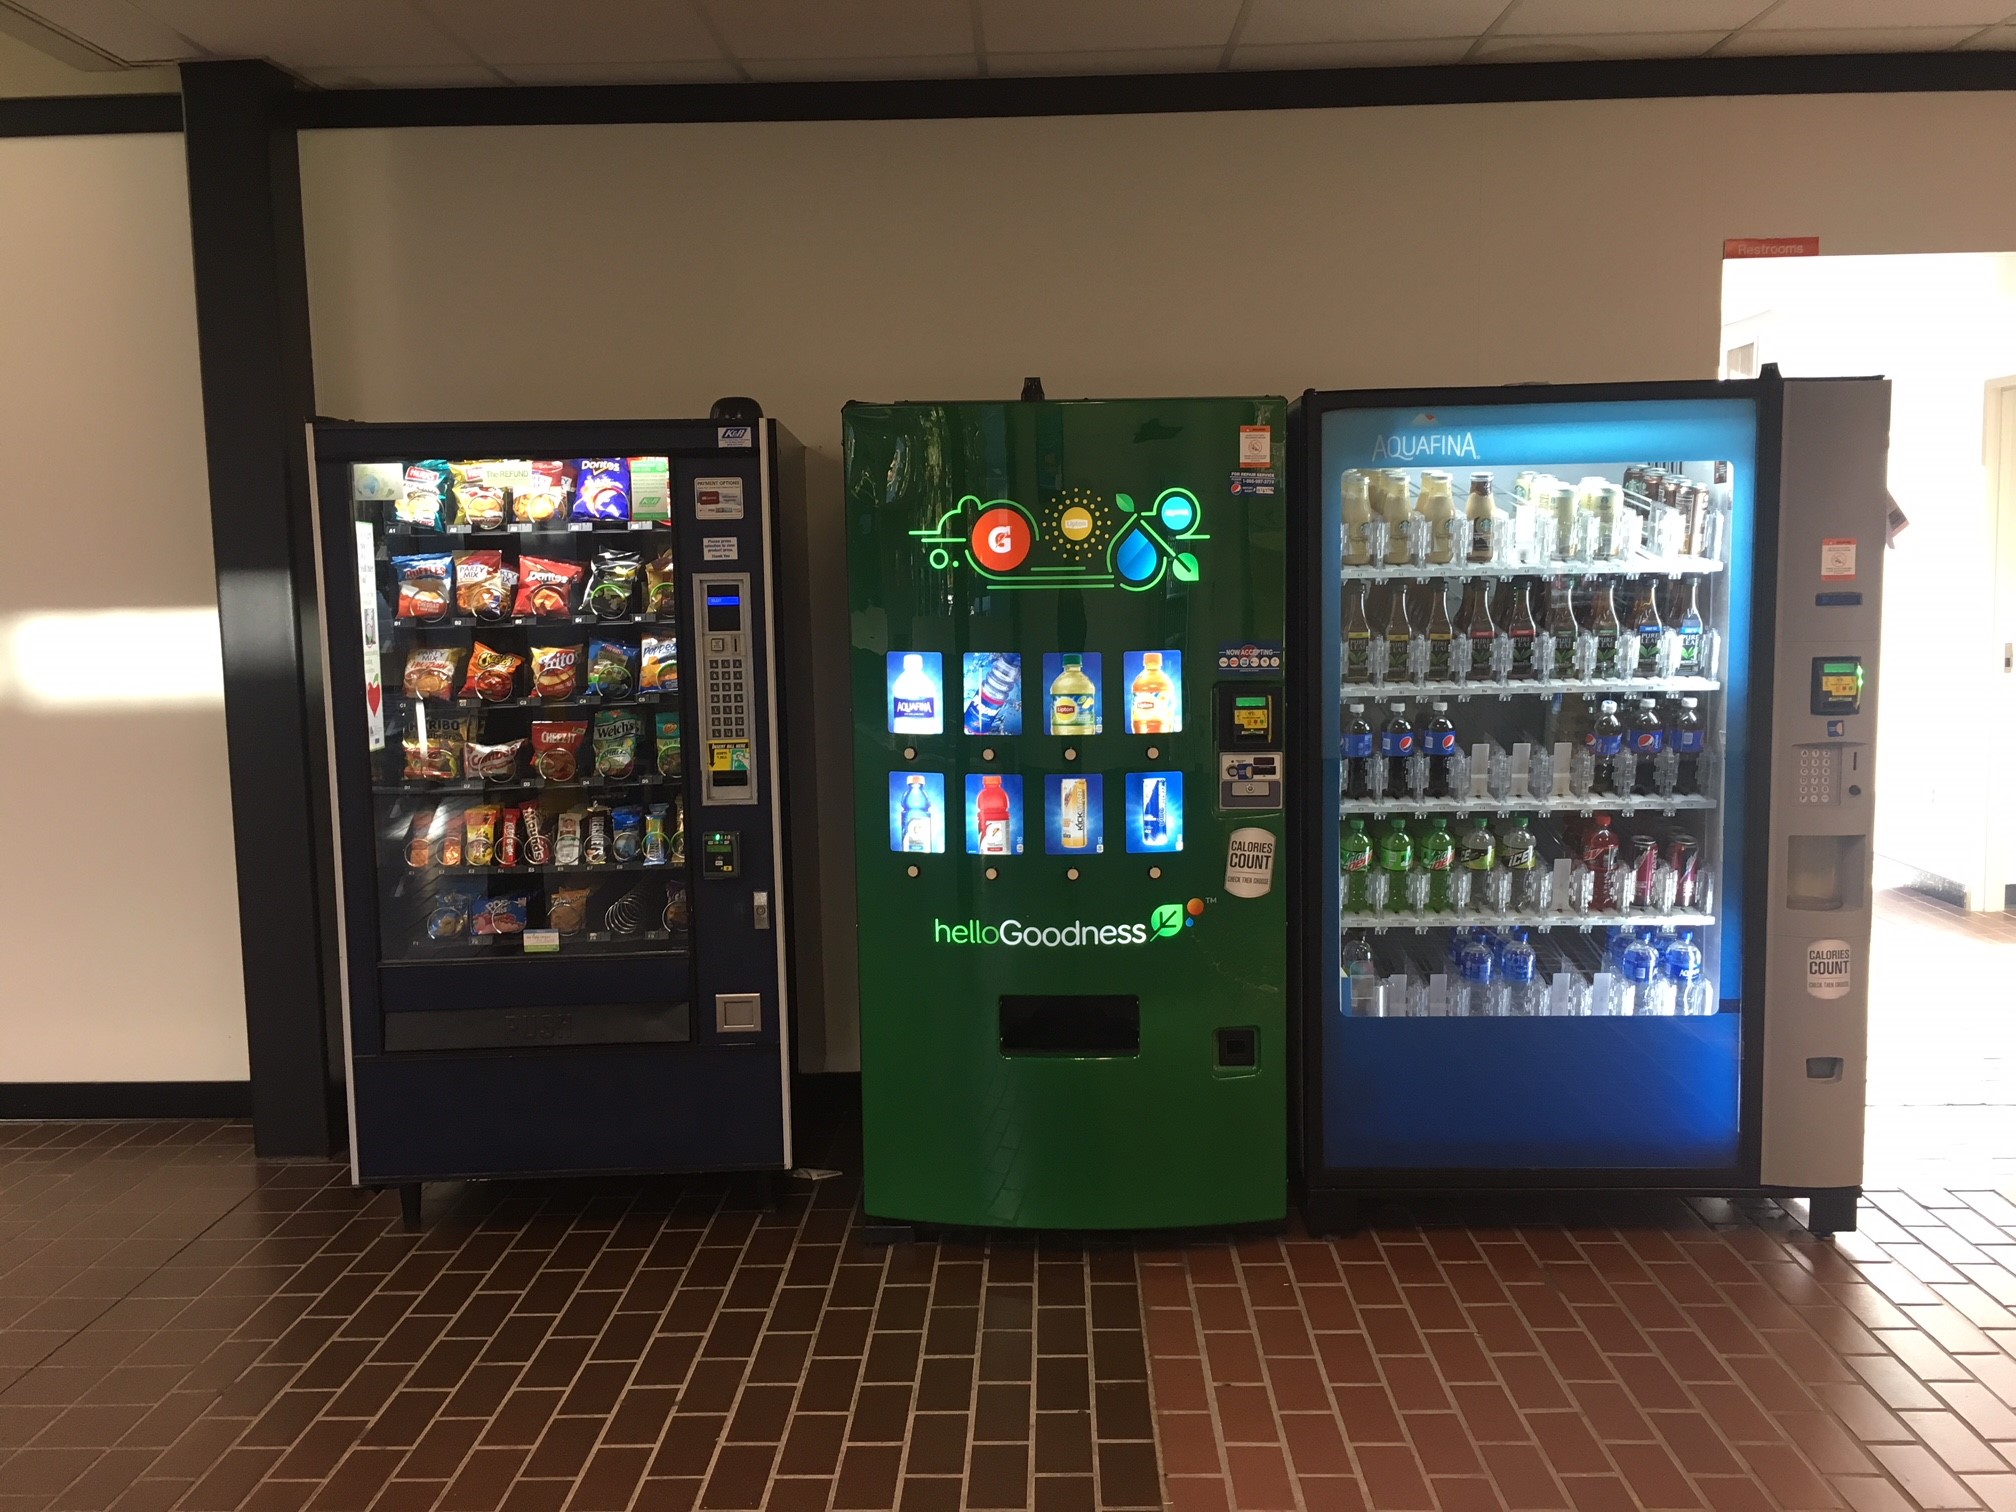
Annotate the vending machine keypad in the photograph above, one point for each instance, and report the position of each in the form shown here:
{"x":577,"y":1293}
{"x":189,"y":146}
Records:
{"x":1819,"y":774}
{"x":727,"y":772}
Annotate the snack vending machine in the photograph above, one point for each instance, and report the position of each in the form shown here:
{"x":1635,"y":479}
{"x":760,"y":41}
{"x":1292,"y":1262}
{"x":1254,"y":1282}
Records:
{"x":1069,"y":765}
{"x":550,"y":671}
{"x":1593,"y":679}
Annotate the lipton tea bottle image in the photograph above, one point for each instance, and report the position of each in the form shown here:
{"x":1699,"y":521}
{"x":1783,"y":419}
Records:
{"x":1074,"y":700}
{"x":1151,"y":708}
{"x":1074,"y":827}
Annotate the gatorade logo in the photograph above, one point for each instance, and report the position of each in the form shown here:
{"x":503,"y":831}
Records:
{"x":1000,"y":540}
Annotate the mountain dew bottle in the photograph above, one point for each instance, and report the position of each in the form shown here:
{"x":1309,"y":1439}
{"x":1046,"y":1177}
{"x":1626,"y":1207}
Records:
{"x":1354,"y":860}
{"x":1437,"y":850}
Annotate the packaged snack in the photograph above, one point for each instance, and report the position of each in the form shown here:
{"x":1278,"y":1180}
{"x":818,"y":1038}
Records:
{"x":612,"y":669}
{"x":567,"y":838}
{"x":479,"y":503}
{"x":678,"y":909}
{"x":483,"y":584}
{"x":661,"y":585}
{"x":501,"y":916}
{"x":556,"y":748}
{"x":601,"y":489}
{"x":420,"y":844}
{"x":507,"y":838}
{"x":660,"y":670}
{"x":449,"y":919}
{"x":650,"y":488}
{"x":432,"y":757}
{"x":567,"y":909}
{"x":448,"y":849}
{"x":377,"y":483}
{"x":493,"y":675}
{"x":479,"y":832}
{"x":654,"y":847}
{"x":678,"y":843}
{"x":546,"y":588}
{"x":611,"y":583}
{"x":423,"y":501}
{"x":626,"y":832}
{"x":542,"y":496}
{"x":492,"y":763}
{"x":424,"y":592}
{"x":626,"y":914}
{"x":538,"y":837}
{"x":556,"y":671}
{"x":671,"y":752}
{"x":615,"y":737}
{"x":430,"y":672}
{"x":595,"y":842}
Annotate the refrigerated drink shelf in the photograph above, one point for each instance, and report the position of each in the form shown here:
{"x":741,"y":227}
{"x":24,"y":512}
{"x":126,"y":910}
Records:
{"x":1378,"y":923}
{"x":1675,"y":566}
{"x":1595,"y":803}
{"x":1545,"y":687}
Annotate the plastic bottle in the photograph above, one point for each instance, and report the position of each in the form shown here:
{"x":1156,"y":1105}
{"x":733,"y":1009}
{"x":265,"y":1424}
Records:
{"x":1638,"y":967}
{"x":1074,"y":700}
{"x":915,"y":814}
{"x":1688,"y":623}
{"x":1606,"y":743}
{"x":913,"y":700}
{"x":1690,"y":738}
{"x":1357,"y":635}
{"x":999,"y":691}
{"x":1599,"y":854}
{"x":1396,"y":859}
{"x":1647,"y":737}
{"x":1437,"y":852}
{"x":1359,"y":750}
{"x":1438,"y":743}
{"x":991,"y":815}
{"x":1396,"y":747}
{"x":1354,"y":863}
{"x":1521,"y":852}
{"x":1151,"y":708}
{"x":1520,"y":992}
{"x":1357,"y":515}
{"x":1648,"y":627}
{"x":1681,"y":966}
{"x":1365,"y":992}
{"x":1476,"y":972}
{"x":1477,"y":848}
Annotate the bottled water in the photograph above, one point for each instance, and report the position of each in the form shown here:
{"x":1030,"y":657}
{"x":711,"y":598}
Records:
{"x":915,"y":815}
{"x":1520,"y":992}
{"x":1476,"y":969}
{"x":1682,"y":970}
{"x":1364,"y":992}
{"x":1638,"y":967}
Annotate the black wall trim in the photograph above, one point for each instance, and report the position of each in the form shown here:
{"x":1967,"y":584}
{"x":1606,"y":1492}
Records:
{"x":258,"y":393}
{"x":94,"y":1100}
{"x":1148,"y":94}
{"x":90,"y":115}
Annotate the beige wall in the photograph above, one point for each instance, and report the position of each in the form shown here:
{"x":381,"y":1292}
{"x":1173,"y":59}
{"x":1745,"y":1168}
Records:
{"x":584,"y":271}
{"x":118,"y":897}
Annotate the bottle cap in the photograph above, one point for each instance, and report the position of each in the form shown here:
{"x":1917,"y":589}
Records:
{"x":1689,"y":703}
{"x":1609,"y":706}
{"x":1439,"y":706}
{"x":1398,"y":708}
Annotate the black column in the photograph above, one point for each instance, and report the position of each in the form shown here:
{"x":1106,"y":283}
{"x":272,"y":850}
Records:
{"x":258,"y":395}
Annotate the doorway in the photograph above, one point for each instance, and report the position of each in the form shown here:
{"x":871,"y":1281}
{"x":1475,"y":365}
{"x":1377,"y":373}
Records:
{"x":1942,"y":1038}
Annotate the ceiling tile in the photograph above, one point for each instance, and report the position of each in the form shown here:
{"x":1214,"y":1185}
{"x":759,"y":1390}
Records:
{"x":508,"y":32}
{"x":1862,"y":39}
{"x":1828,"y":15}
{"x":116,"y":27}
{"x":1276,"y":21}
{"x":1997,"y":39}
{"x":1137,"y":60}
{"x":307,"y":34}
{"x":1353,"y":54}
{"x":1503,"y":49}
{"x":944,"y":66}
{"x":1563,"y":18}
{"x":705,"y":71}
{"x":401,"y":76}
{"x":859,"y":29}
{"x":1051,"y":26}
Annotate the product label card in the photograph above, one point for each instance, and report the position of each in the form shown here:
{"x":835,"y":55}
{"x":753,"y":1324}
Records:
{"x":734,"y":435}
{"x":1254,"y":658}
{"x":1249,"y":863}
{"x":1830,"y":968}
{"x":1253,"y":484}
{"x":719,"y":548}
{"x":1256,"y":446}
{"x":717,"y":498}
{"x":1837,"y":559}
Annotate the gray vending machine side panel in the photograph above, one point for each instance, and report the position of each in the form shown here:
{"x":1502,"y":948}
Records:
{"x":1816,"y":912}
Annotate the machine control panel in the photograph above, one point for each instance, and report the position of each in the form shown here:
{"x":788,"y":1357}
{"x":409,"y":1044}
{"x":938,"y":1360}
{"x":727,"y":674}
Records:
{"x":727,"y":684}
{"x":721,"y":854}
{"x":1819,"y":775}
{"x":1837,"y":685}
{"x":1249,"y":738}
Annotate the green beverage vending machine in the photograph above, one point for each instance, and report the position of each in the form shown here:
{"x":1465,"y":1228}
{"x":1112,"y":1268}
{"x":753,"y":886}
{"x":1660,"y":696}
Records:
{"x":1068,"y":761}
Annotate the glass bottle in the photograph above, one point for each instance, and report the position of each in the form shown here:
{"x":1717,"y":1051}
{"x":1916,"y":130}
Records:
{"x":1648,"y":627}
{"x":1517,"y":619}
{"x":1439,"y":631}
{"x":1473,"y":620}
{"x":1399,"y":632}
{"x":1688,"y":623}
{"x":1607,"y":627}
{"x":1357,"y":635}
{"x":1562,"y":626}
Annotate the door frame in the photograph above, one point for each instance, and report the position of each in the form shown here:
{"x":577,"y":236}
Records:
{"x":1998,"y":455}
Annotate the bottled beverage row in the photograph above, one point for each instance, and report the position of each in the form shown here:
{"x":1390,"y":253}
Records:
{"x":1655,"y":753}
{"x":1427,"y":869}
{"x":1387,"y":521}
{"x":1501,"y":973}
{"x":1074,"y":697}
{"x":1502,"y":637}
{"x":1072,"y":820}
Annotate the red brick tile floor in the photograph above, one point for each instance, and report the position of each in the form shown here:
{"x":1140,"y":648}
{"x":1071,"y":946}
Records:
{"x":182,"y":1326}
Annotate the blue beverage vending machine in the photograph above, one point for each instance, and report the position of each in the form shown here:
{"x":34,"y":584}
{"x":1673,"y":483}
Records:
{"x":1585,"y":896}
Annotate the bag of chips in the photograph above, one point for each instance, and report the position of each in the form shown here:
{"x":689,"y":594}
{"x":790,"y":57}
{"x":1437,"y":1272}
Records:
{"x":431,"y":757}
{"x":678,"y":908}
{"x":615,"y":736}
{"x":670,"y":751}
{"x":567,"y":909}
{"x":424,"y":591}
{"x":420,"y":840}
{"x":654,"y":846}
{"x":483,"y":584}
{"x":430,"y":672}
{"x":612,"y":669}
{"x":626,"y":833}
{"x":567,"y":837}
{"x":660,"y":670}
{"x":546,"y":588}
{"x":556,"y":748}
{"x":601,"y":489}
{"x":493,"y":674}
{"x":479,"y":830}
{"x":611,"y":582}
{"x":661,"y":585}
{"x":448,"y":833}
{"x":541,"y":497}
{"x":501,"y":916}
{"x":492,"y":763}
{"x":556,"y":671}
{"x":423,"y":502}
{"x":479,"y":503}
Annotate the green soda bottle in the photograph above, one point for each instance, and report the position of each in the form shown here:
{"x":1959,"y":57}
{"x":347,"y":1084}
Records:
{"x":1438,"y":854}
{"x":1396,"y":859}
{"x":1354,"y":859}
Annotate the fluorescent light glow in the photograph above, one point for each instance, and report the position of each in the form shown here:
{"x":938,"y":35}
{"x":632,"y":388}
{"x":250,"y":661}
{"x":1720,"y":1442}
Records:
{"x":112,"y":657}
